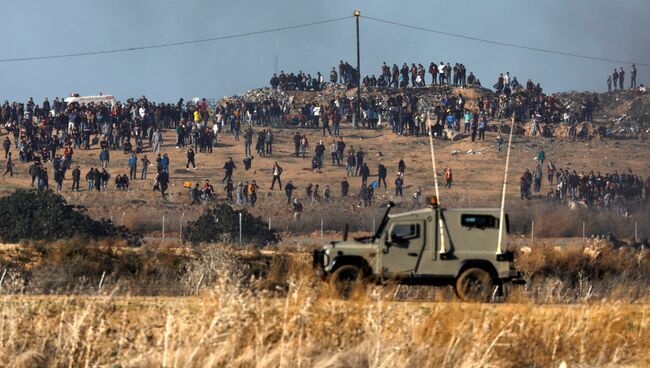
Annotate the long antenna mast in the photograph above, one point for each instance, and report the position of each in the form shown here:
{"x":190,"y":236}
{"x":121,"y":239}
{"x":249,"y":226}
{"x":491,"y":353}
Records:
{"x":503,"y":194}
{"x":443,"y":247}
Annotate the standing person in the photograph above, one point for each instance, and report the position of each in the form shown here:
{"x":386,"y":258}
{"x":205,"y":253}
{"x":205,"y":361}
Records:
{"x":228,"y":167}
{"x":163,"y":182}
{"x":268,"y":140}
{"x":90,"y":178}
{"x":105,"y":176}
{"x":334,"y":152}
{"x":481,"y":128}
{"x":252,"y":192}
{"x":145,"y":167}
{"x":248,"y":141}
{"x":360,"y":157}
{"x":621,"y":79}
{"x":288,"y":190}
{"x":190,"y":158}
{"x":345,"y":187}
{"x":615,"y":79}
{"x":133,"y":166}
{"x":381,"y":174}
{"x":304,"y":144}
{"x":104,"y":157}
{"x":399,"y":183}
{"x":474,"y":129}
{"x":157,"y":141}
{"x":7,"y":146}
{"x":76,"y":175}
{"x":341,"y":148}
{"x":164,"y":161}
{"x":537,"y":178}
{"x":633,"y":77}
{"x":277,"y":171}
{"x":9,"y":166}
{"x":297,"y":209}
{"x":449,"y":177}
{"x":401,"y":167}
{"x":364,"y":172}
{"x":97,"y":177}
{"x":352,"y":162}
{"x":541,"y":156}
{"x":609,"y":83}
{"x":296,"y":142}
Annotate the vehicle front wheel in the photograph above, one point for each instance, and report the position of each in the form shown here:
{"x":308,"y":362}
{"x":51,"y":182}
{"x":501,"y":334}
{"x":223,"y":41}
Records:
{"x":474,"y":285}
{"x":345,"y":279}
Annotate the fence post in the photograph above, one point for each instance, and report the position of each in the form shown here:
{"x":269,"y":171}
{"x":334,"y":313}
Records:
{"x":636,"y":232}
{"x":373,"y":225}
{"x":122,"y":219}
{"x":269,"y":222}
{"x":532,"y":232}
{"x":163,"y":227}
{"x":240,"y":230}
{"x":583,"y":232}
{"x":180,"y":226}
{"x":321,"y":228}
{"x":4,"y":273}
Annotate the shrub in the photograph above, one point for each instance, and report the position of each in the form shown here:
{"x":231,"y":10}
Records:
{"x":44,"y":215}
{"x":220,"y":224}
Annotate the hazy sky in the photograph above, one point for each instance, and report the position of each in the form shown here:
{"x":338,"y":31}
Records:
{"x":602,"y":28}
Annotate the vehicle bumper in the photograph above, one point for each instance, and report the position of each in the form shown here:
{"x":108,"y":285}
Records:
{"x":517,"y":278}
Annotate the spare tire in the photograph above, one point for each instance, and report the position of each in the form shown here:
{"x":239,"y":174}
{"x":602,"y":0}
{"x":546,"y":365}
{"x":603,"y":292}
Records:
{"x":474,"y":285}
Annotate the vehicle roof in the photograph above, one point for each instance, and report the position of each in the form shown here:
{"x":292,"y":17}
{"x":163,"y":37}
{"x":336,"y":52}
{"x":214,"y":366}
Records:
{"x":428,"y":210}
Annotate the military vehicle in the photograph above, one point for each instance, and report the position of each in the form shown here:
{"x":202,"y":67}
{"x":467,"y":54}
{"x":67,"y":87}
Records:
{"x":462,"y":247}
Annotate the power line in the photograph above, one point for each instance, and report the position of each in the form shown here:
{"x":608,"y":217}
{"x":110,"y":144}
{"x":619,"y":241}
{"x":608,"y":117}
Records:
{"x":504,"y":44}
{"x":171,"y":44}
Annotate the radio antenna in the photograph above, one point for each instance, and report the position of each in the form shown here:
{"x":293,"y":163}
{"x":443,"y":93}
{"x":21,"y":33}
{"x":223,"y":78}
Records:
{"x":443,"y":247}
{"x":503,"y":194}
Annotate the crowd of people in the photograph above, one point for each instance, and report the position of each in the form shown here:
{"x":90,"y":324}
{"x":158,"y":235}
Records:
{"x":617,"y":79}
{"x":616,"y":191}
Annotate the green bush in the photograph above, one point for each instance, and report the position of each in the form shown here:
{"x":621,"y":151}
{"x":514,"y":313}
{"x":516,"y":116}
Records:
{"x":220,"y":224}
{"x":44,"y":215}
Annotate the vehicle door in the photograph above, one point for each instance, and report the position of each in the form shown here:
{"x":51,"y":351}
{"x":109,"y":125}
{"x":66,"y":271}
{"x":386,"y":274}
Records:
{"x":402,"y":247}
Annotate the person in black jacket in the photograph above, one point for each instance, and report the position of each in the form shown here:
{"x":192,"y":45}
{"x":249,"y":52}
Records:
{"x":76,"y":175}
{"x":277,"y":171}
{"x":288,"y":190}
{"x":345,"y":187}
{"x":381,"y":174}
{"x":190,"y":158}
{"x":364,"y":172}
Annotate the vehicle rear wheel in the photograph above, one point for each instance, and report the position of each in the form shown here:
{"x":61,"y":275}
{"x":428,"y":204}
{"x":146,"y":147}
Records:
{"x":474,"y":285}
{"x":345,"y":279}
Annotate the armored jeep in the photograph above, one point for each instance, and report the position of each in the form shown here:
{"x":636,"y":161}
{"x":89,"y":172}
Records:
{"x":433,"y":245}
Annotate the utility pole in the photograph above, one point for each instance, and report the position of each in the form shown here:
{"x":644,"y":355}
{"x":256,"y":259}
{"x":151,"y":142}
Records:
{"x":357,"y":15}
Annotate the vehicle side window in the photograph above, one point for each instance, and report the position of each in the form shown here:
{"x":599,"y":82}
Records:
{"x":401,"y":234}
{"x":479,"y":221}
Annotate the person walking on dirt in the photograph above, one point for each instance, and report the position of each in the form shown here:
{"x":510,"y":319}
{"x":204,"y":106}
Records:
{"x":615,"y":79}
{"x":296,"y":142}
{"x":277,"y":171}
{"x":537,"y":177}
{"x":248,"y":141}
{"x":633,"y":77}
{"x":499,"y":143}
{"x":133,"y":166}
{"x":157,"y":140}
{"x":364,"y":172}
{"x":449,"y":177}
{"x":288,"y":190}
{"x":229,"y":167}
{"x":334,"y":152}
{"x":297,"y":210}
{"x":145,"y":167}
{"x":399,"y":183}
{"x":345,"y":187}
{"x":252,"y":192}
{"x":76,"y":176}
{"x":7,"y":146}
{"x":381,"y":175}
{"x":9,"y":166}
{"x":190,"y":158}
{"x":359,"y":161}
{"x":541,"y":156}
{"x":104,"y":157}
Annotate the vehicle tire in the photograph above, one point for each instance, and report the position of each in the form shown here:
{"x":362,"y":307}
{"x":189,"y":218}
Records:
{"x":474,"y":285}
{"x":345,"y":279}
